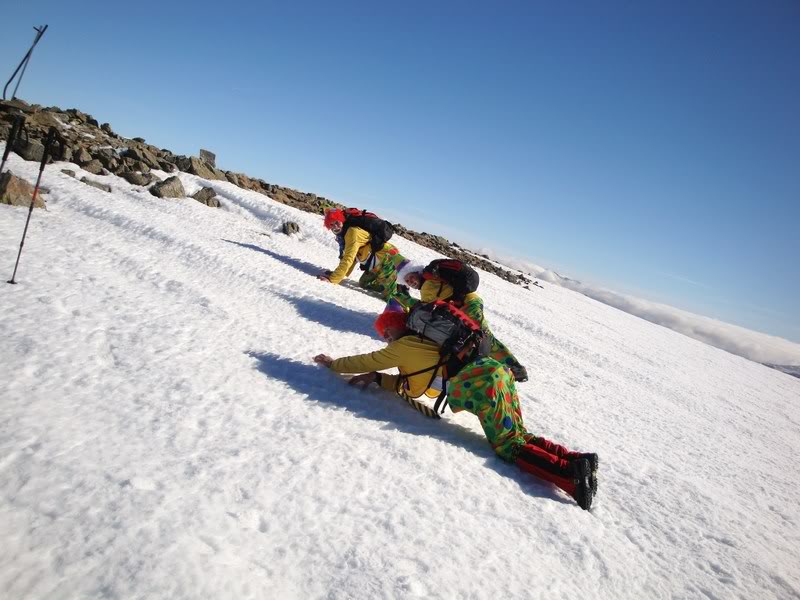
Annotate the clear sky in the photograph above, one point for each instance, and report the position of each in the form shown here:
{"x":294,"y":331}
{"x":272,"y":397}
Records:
{"x":651,"y":147}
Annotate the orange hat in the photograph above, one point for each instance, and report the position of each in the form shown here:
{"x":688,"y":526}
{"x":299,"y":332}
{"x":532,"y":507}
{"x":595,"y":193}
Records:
{"x":390,"y":318}
{"x":332,"y":215}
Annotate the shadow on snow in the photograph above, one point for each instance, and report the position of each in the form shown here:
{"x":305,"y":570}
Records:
{"x":334,"y":316}
{"x":324,"y":387}
{"x":300,"y":265}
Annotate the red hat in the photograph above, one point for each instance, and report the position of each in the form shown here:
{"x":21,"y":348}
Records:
{"x":390,"y":318}
{"x":332,"y":215}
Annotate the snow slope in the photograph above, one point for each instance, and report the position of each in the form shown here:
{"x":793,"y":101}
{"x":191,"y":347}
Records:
{"x":164,"y":432}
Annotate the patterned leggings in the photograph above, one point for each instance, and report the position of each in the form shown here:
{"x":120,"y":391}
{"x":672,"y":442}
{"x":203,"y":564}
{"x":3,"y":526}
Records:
{"x":486,"y":389}
{"x":382,"y":277}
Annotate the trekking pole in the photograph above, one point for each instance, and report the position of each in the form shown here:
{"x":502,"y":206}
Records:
{"x":51,"y":137}
{"x":16,"y":127}
{"x":24,"y":63}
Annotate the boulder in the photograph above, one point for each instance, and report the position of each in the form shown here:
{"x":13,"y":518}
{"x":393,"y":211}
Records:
{"x":17,"y":192}
{"x":201,"y":169}
{"x":290,"y":227}
{"x":29,"y":149}
{"x":15,"y":105}
{"x":82,"y":156}
{"x":208,"y":157}
{"x":171,"y":187}
{"x":142,"y":155}
{"x":165,"y":165}
{"x":95,"y":167}
{"x":111,"y":164}
{"x":207,"y":196}
{"x":183,"y":163}
{"x":138,"y":178}
{"x":96,"y":184}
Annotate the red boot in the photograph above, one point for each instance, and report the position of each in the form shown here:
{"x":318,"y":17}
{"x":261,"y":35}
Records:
{"x":574,"y":477}
{"x":562,"y":452}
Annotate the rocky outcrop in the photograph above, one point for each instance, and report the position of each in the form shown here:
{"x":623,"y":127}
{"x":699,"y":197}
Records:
{"x":101,"y":149}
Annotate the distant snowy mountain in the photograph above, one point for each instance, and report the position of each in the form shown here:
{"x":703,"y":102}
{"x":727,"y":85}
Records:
{"x":759,"y":347}
{"x":164,"y":432}
{"x":792,"y":370}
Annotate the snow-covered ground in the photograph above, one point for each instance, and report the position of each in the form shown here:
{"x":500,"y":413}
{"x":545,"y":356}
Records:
{"x":164,"y":432}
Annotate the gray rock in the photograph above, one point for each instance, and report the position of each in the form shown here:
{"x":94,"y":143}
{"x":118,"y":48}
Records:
{"x":102,"y":153}
{"x":183,"y":163}
{"x":233,"y":178}
{"x":95,"y":167}
{"x":17,"y":192}
{"x":15,"y":105}
{"x":138,"y":178}
{"x":207,"y":196}
{"x":201,"y":169}
{"x":29,"y":149}
{"x":69,"y":172}
{"x":208,"y":157}
{"x":171,"y":187}
{"x":96,"y":184}
{"x":82,"y":156}
{"x":290,"y":227}
{"x":142,"y":155}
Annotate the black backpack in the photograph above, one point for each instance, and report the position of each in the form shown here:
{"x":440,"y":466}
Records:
{"x":459,"y":275}
{"x":380,"y":231}
{"x":459,"y":337}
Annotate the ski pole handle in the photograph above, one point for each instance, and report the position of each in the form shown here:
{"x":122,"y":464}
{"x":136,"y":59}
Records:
{"x":48,"y":147}
{"x":19,"y":121}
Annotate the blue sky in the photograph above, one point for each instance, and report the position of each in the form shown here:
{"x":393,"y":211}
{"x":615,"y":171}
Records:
{"x":637,"y":145}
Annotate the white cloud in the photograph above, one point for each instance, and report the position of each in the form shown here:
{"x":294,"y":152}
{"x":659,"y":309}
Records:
{"x":753,"y":345}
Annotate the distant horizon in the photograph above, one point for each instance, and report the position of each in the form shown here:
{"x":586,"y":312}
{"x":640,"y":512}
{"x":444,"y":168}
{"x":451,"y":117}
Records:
{"x":649,"y":149}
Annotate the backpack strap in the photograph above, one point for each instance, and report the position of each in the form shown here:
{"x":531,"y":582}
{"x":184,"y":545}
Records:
{"x":355,"y":218}
{"x":401,"y":381}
